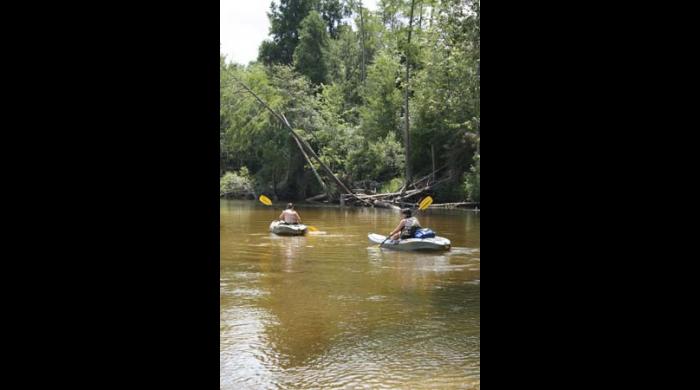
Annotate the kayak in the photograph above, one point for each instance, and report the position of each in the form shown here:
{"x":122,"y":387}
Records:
{"x":284,"y":229}
{"x":412,"y":244}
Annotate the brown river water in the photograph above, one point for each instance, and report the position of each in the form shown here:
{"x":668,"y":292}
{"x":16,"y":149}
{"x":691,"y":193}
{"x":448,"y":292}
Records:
{"x":330,"y":310}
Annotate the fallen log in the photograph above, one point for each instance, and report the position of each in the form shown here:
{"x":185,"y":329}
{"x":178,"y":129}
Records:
{"x":386,"y":205}
{"x":390,"y":194}
{"x":407,"y":204}
{"x":316,"y":198}
{"x":413,"y":193}
{"x":365,"y":196}
{"x":237,"y":194}
{"x":453,"y":205}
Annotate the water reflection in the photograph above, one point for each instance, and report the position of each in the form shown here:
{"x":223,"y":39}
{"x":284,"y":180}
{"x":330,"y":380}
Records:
{"x":289,"y":249}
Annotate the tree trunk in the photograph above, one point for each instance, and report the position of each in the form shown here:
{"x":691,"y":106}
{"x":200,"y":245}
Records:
{"x":362,"y":29}
{"x":420,"y":17}
{"x":430,"y":21}
{"x":407,"y":133}
{"x":432,"y":154}
{"x":301,"y":148}
{"x":274,"y":184}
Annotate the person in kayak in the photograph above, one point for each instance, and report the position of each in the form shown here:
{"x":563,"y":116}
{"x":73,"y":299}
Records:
{"x":407,"y":227}
{"x":289,"y":215}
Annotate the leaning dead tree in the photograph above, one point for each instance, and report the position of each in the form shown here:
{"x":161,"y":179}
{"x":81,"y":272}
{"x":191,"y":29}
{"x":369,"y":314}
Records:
{"x":308,"y":160}
{"x":305,"y":148}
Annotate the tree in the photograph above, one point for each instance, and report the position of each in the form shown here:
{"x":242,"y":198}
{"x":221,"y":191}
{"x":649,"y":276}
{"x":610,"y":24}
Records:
{"x":420,"y":58}
{"x":407,"y":132}
{"x":311,"y":55}
{"x":285,"y":20}
{"x":344,"y":59}
{"x":332,"y":12}
{"x":447,"y":103}
{"x":380,"y":113}
{"x":388,"y":10}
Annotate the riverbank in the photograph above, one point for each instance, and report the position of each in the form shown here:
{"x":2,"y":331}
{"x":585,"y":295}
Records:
{"x":280,"y":204}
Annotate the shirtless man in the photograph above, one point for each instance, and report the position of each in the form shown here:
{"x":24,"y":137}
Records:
{"x":289,"y":215}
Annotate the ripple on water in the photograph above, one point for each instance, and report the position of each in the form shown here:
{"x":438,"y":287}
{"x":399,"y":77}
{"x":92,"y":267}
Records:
{"x":392,"y":361}
{"x":455,"y":251}
{"x":245,"y":292}
{"x":244,"y":355}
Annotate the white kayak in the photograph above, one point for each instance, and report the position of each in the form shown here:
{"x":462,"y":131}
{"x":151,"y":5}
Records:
{"x":284,"y":229}
{"x":412,"y":244}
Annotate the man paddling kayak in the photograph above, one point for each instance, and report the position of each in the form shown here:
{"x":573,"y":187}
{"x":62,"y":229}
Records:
{"x":407,"y":227}
{"x":289,"y":215}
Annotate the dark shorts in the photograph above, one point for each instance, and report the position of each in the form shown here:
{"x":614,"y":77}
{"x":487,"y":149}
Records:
{"x":409,"y":233}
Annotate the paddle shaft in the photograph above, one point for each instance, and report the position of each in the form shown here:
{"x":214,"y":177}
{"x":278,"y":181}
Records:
{"x":387,"y":237}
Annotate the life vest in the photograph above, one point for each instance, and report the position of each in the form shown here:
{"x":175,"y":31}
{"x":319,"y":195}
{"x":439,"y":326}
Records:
{"x":410,"y":226}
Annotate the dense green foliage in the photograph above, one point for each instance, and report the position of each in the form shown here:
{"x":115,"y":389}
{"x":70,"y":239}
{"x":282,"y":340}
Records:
{"x":237,"y":183}
{"x":337,"y":72}
{"x":472,"y":185}
{"x":311,"y":54}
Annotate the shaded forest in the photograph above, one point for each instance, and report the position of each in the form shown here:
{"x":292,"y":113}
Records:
{"x":376,"y":99}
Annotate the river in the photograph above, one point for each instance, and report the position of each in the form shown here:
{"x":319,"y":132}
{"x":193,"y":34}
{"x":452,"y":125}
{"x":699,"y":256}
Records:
{"x":330,"y":310}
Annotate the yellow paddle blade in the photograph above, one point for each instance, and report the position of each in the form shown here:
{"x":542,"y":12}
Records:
{"x":425,"y":203}
{"x":312,"y":228}
{"x":265,"y":200}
